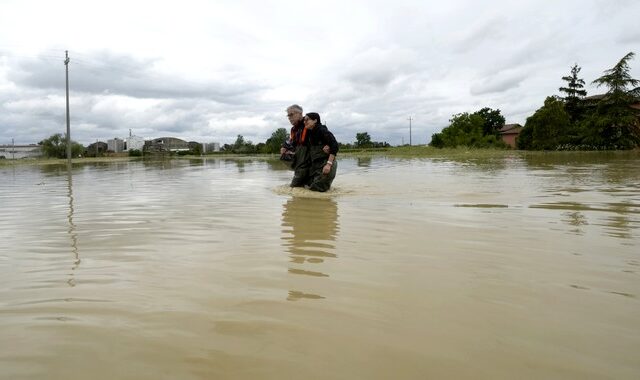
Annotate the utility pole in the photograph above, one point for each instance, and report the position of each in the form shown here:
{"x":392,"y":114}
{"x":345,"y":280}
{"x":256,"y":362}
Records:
{"x":66,"y":65}
{"x":409,"y":130}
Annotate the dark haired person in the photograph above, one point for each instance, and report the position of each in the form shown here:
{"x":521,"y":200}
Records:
{"x":314,"y":162}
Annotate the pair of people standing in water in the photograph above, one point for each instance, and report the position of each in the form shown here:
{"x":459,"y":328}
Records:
{"x":312,"y":150}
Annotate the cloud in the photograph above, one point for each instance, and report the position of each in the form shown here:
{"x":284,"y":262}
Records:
{"x":480,"y":33}
{"x":500,"y":82}
{"x":126,"y":75}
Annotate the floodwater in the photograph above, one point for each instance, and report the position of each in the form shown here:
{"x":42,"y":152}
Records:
{"x":516,"y":267}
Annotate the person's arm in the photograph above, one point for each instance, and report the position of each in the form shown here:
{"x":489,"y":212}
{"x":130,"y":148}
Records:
{"x":329,"y":139}
{"x":327,"y":167}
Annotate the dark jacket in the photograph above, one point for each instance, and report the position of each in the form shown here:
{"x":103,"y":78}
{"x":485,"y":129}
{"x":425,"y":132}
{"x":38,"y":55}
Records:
{"x":320,"y":135}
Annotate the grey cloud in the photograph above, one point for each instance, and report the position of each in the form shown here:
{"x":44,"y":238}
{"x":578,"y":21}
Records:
{"x":377,"y":68}
{"x":125,"y":75}
{"x":500,"y":82}
{"x":474,"y":36}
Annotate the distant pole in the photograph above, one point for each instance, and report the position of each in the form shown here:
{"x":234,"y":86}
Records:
{"x":66,"y":66}
{"x":409,"y":130}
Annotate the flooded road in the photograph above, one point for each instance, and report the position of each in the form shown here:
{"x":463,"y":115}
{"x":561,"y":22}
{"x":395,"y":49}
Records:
{"x":521,"y":267}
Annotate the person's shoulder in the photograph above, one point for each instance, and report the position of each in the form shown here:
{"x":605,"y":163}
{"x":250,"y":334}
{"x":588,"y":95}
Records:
{"x":325,"y":130}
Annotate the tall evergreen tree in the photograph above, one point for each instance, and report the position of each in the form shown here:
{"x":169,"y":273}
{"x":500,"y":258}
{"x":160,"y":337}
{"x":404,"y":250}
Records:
{"x":618,"y":79}
{"x":614,"y":121}
{"x":574,"y":92}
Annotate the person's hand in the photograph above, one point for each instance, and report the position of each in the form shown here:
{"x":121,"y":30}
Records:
{"x":326,"y":169}
{"x":282,"y":150}
{"x":326,"y":149}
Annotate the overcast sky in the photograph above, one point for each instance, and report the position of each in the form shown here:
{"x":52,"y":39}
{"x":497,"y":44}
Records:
{"x":210,"y":70}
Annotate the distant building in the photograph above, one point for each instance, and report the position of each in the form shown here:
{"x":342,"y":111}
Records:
{"x":509,"y":133}
{"x":96,"y":149}
{"x":134,"y":143}
{"x":166,"y":144}
{"x":20,"y":151}
{"x":115,"y":145}
{"x":210,"y":147}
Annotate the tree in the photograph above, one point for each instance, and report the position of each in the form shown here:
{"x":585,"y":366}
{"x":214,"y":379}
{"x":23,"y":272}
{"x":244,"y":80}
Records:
{"x":524,"y":141}
{"x":56,"y":147}
{"x":548,"y":128}
{"x":239,"y":143}
{"x":195,"y":148}
{"x":614,"y":124}
{"x":493,"y":121}
{"x":465,"y":130}
{"x":574,"y":92}
{"x":363,"y":140}
{"x":618,"y":79}
{"x":241,"y":146}
{"x":437,"y":141}
{"x":273,"y":143}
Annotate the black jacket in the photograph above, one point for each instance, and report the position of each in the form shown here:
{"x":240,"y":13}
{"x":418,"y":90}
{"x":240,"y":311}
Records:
{"x":320,"y":135}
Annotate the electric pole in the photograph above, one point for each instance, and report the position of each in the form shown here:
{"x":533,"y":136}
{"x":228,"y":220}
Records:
{"x":409,"y":130}
{"x":66,"y":65}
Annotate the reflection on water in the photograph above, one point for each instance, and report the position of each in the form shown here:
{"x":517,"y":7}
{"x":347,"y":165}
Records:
{"x":364,"y":162}
{"x":72,"y":229}
{"x":309,"y":229}
{"x":616,"y":218}
{"x":576,"y":219}
{"x":278,"y":165}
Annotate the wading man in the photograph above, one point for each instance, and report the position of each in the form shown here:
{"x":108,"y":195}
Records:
{"x":294,"y":114}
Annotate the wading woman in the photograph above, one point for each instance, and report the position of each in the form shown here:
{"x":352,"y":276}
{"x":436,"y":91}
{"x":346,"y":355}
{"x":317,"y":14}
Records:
{"x":314,"y":162}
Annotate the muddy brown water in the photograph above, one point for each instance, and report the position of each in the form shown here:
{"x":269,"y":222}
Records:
{"x":516,"y":267}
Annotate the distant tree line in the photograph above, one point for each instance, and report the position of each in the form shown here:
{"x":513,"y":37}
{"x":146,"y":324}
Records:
{"x":280,"y":135}
{"x":569,"y":122}
{"x":480,"y":129}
